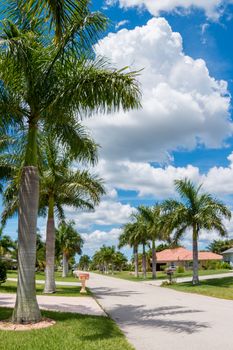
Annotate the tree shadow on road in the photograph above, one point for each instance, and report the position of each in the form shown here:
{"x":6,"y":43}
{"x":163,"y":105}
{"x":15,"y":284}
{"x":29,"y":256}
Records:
{"x":102,"y":291}
{"x":166,"y":317}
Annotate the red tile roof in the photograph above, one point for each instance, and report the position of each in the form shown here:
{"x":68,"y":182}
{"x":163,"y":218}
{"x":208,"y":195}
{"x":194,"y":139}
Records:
{"x":182,"y":254}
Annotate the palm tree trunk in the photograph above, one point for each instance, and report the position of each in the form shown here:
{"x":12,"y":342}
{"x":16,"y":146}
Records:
{"x":65,"y":266}
{"x":50,"y":286}
{"x":195,"y":257}
{"x":144,"y":261}
{"x":26,"y":307}
{"x":154,"y":260}
{"x":136,"y":261}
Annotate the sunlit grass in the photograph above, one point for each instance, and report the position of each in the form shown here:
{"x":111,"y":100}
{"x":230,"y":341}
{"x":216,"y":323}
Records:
{"x":216,"y":287}
{"x":71,"y":332}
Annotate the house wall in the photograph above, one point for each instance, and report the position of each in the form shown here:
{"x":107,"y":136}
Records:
{"x":228,"y":258}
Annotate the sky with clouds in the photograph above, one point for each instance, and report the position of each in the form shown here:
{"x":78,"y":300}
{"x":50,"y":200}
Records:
{"x":184,"y":50}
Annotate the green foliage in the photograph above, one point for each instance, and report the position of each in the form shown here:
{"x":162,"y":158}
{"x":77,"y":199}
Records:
{"x":218,"y":246}
{"x":180,"y":269}
{"x":217,"y":265}
{"x":108,"y":257}
{"x":3,"y":272}
{"x":68,"y":240}
{"x":84,"y":262}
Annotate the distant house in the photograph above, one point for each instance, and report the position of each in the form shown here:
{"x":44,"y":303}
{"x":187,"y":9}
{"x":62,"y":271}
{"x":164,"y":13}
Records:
{"x":228,"y":256}
{"x":183,"y":257}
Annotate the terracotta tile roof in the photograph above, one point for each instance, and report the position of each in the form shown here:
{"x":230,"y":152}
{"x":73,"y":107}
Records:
{"x":182,"y":254}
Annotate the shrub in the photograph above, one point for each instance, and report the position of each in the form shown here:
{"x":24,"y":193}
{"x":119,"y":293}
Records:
{"x":163,"y":267}
{"x":3,"y":272}
{"x":180,"y":269}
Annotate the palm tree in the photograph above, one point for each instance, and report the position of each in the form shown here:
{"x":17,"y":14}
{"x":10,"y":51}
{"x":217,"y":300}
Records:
{"x":59,"y":14}
{"x":6,"y":244}
{"x":196,"y":211}
{"x":62,"y":186}
{"x":129,"y":237}
{"x":153,"y":219}
{"x":69,"y":243}
{"x":84,"y":262}
{"x":38,"y":83}
{"x":59,"y":186}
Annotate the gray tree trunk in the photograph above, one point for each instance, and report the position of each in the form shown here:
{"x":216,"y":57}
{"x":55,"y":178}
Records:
{"x":144,"y":262}
{"x":195,"y":258}
{"x":50,"y":286}
{"x":65,"y":266}
{"x":26,"y":307}
{"x":154,"y":260}
{"x":136,"y":261}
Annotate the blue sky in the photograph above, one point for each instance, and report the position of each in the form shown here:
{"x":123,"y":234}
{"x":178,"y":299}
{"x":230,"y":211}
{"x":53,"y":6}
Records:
{"x":185,"y":127}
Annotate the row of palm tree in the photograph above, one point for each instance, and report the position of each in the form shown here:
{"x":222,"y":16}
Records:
{"x":171,"y":219}
{"x":108,"y":257}
{"x":49,"y":82}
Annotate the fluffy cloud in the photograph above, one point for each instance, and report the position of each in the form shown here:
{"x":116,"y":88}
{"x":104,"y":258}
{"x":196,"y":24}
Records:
{"x":212,"y":8}
{"x":109,"y":212}
{"x":144,"y":178}
{"x":158,"y":182}
{"x":96,"y":239}
{"x":182,"y":104}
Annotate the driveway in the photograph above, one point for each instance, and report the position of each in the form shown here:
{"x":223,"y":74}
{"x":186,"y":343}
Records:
{"x":156,"y":318}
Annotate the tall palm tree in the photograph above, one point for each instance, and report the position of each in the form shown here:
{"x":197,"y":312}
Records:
{"x":129,"y":236}
{"x":154,"y":220}
{"x":196,"y":211}
{"x":69,"y":242}
{"x":38,"y":80}
{"x":61,"y":186}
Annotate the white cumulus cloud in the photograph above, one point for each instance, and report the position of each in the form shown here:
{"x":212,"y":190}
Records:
{"x":182,"y":104}
{"x":212,"y":8}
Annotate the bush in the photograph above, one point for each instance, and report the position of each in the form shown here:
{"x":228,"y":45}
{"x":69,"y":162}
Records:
{"x":180,"y":269}
{"x":3,"y":272}
{"x":217,"y":265}
{"x":163,"y":267}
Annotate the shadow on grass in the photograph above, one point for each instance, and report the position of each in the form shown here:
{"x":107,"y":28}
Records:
{"x":93,"y":328}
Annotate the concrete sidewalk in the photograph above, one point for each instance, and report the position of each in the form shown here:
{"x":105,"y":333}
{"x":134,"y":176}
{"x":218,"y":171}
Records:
{"x":156,"y":318}
{"x":80,"y":305}
{"x":189,"y":279}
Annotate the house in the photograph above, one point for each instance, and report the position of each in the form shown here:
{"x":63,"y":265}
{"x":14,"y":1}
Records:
{"x":183,"y":257}
{"x":228,"y":256}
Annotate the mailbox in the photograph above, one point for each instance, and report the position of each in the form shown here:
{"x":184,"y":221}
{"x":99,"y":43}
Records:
{"x":83,"y":278}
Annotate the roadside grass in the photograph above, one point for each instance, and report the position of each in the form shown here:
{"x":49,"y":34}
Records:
{"x":217,"y":287}
{"x":41,"y":276}
{"x":67,"y":291}
{"x":71,"y":332}
{"x":127,"y":275}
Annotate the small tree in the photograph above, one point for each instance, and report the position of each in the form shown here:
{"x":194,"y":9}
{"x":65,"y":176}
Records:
{"x":69,"y":242}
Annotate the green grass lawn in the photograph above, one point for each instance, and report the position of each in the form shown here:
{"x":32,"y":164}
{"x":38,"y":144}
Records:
{"x":68,"y":291}
{"x":41,"y":276}
{"x":71,"y":332}
{"x":216,"y":287}
{"x":161,"y":275}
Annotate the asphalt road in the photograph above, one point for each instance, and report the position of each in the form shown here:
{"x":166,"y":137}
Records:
{"x":156,"y":318}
